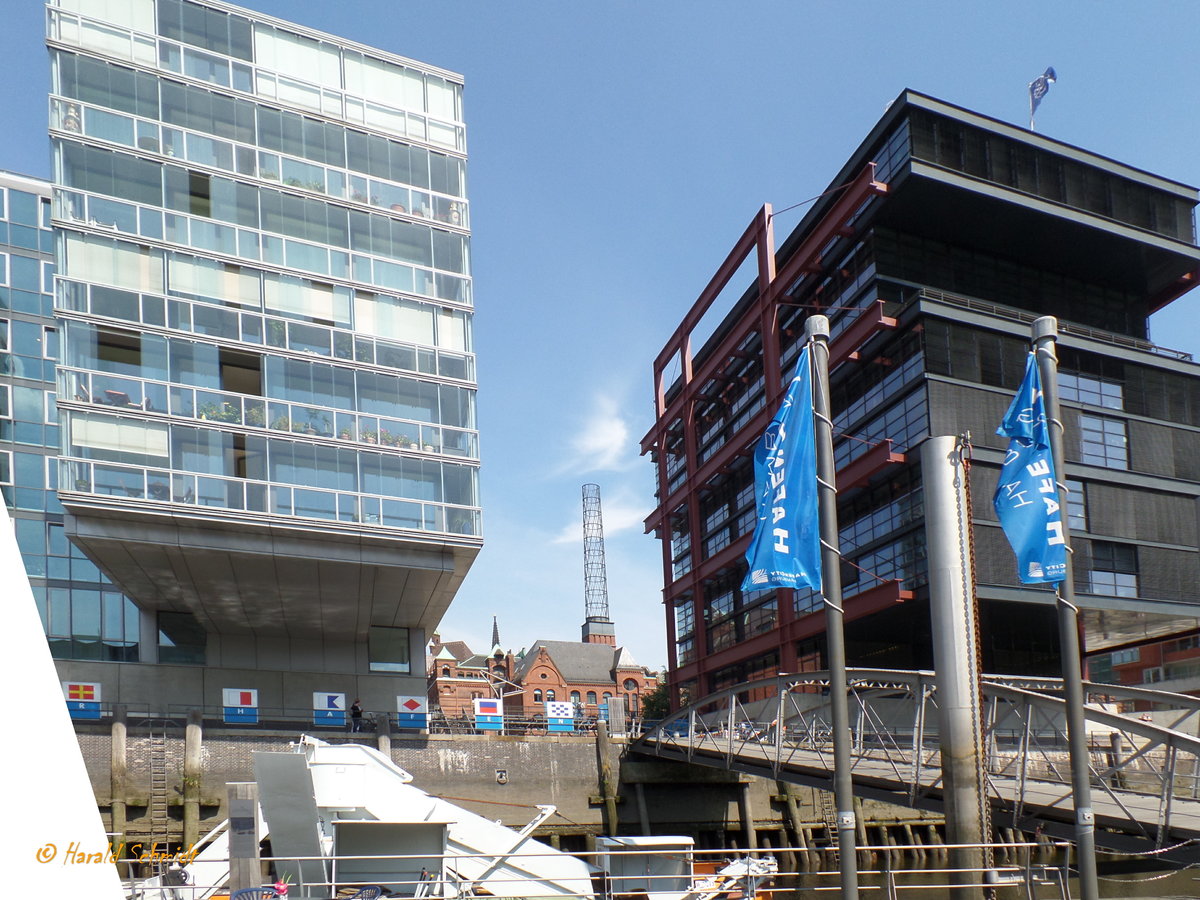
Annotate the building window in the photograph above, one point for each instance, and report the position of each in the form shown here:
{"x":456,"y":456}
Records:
{"x":445,"y":671}
{"x":1088,"y":389}
{"x":181,"y":639}
{"x":1179,"y":645}
{"x":1122,"y":657}
{"x":630,"y":684}
{"x":549,"y":696}
{"x":685,"y":651}
{"x":1076,"y":505}
{"x":685,"y":621}
{"x":387,"y":649}
{"x":5,"y":467}
{"x":537,"y":695}
{"x":1103,"y":442}
{"x":1114,"y":570}
{"x":591,"y":698}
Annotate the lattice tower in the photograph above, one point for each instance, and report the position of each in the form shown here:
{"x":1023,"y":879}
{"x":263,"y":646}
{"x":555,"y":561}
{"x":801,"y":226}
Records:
{"x":595,"y":577}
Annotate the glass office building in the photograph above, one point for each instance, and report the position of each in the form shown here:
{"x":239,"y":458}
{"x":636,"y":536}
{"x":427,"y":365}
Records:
{"x":940,"y":240}
{"x":84,"y":615}
{"x":266,"y":387}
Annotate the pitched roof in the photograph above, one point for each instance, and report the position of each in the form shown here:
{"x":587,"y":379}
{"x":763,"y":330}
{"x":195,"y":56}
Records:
{"x":457,"y":650}
{"x":625,"y":659}
{"x":578,"y":663}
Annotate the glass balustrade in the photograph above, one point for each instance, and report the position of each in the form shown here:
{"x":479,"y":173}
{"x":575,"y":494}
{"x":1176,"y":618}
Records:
{"x":258,"y":329}
{"x":124,"y":393}
{"x":239,"y":158}
{"x":267,"y":498}
{"x":169,"y":57}
{"x":255,"y":246}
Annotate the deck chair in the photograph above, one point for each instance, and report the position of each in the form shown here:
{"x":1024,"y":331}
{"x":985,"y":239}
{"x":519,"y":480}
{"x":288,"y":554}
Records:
{"x":258,"y":893}
{"x":367,"y":893}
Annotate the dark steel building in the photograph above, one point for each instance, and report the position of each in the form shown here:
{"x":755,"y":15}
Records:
{"x":938,"y":243}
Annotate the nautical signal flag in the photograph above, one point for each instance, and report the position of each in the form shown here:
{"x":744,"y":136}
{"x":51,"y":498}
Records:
{"x":240,"y":705}
{"x":489,"y":713}
{"x":560,"y":715}
{"x":83,"y":699}
{"x":412,"y":712}
{"x":329,"y":709}
{"x":785,"y":551}
{"x":1026,"y":499}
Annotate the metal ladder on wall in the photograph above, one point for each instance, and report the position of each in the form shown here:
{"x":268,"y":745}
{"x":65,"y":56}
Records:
{"x":159,"y":819}
{"x":825,"y":803}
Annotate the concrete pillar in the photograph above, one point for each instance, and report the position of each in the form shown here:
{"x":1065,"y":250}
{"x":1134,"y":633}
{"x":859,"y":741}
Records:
{"x":746,"y":813}
{"x":792,"y":812}
{"x":245,"y":866}
{"x":383,"y":735}
{"x":643,"y":813}
{"x":192,"y":777}
{"x":119,"y":774}
{"x":1116,"y":753}
{"x":947,"y":530}
{"x":608,"y":786}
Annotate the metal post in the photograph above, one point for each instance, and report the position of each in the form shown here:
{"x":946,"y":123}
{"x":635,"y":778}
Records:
{"x":817,"y":331}
{"x":947,"y":529}
{"x":1045,"y":335}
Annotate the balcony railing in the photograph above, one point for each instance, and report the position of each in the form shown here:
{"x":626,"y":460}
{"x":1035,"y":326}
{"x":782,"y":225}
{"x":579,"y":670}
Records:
{"x":146,"y":396}
{"x":253,"y":499}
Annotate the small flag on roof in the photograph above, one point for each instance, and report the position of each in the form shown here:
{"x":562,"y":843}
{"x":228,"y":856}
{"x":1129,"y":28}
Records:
{"x":1038,"y":88}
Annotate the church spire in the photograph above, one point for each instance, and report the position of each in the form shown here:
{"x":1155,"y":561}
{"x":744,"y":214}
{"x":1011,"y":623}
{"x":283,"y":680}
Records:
{"x":495,"y":634}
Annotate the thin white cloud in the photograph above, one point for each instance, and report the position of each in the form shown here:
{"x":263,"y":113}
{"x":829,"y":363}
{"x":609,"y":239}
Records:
{"x":603,"y":442}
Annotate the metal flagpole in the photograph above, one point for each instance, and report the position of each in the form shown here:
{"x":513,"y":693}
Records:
{"x":817,"y":331}
{"x":1045,"y":336}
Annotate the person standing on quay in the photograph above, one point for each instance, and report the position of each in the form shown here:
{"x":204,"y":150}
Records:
{"x":356,"y":715}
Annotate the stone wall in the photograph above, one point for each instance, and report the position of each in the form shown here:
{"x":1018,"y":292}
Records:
{"x":501,"y":777}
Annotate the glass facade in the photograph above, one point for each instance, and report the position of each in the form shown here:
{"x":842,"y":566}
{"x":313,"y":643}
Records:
{"x":84,"y":615}
{"x":263,"y":262}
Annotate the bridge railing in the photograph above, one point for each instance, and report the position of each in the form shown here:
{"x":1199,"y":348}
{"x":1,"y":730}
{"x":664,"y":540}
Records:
{"x":1147,"y":774}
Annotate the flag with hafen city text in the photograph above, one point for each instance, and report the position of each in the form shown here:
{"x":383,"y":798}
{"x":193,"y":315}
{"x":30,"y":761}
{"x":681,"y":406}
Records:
{"x":785,"y":551}
{"x":1026,"y":498}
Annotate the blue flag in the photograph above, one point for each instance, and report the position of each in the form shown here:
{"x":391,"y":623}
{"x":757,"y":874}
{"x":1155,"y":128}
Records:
{"x":1026,"y":498}
{"x":786,"y":549}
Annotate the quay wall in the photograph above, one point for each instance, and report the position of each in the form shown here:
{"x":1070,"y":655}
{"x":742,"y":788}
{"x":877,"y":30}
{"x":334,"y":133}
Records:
{"x":596,"y":788}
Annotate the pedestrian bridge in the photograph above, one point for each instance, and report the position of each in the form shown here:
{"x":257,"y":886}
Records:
{"x":1145,"y":770}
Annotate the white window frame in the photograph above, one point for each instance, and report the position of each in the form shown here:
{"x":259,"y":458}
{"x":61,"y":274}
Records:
{"x":46,"y":331}
{"x":51,"y":407}
{"x":6,"y":406}
{"x":7,"y":454}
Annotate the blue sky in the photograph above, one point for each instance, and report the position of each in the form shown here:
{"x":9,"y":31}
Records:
{"x":619,"y":148}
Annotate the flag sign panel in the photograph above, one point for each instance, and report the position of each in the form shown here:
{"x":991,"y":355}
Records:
{"x":1026,"y":499}
{"x":83,"y":699}
{"x":329,"y":709}
{"x":785,"y":551}
{"x":412,"y":712}
{"x":560,"y":716}
{"x":240,"y":705}
{"x":489,"y":713}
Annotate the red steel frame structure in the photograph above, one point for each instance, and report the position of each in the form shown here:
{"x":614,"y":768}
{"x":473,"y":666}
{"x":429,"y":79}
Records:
{"x":676,"y":405}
